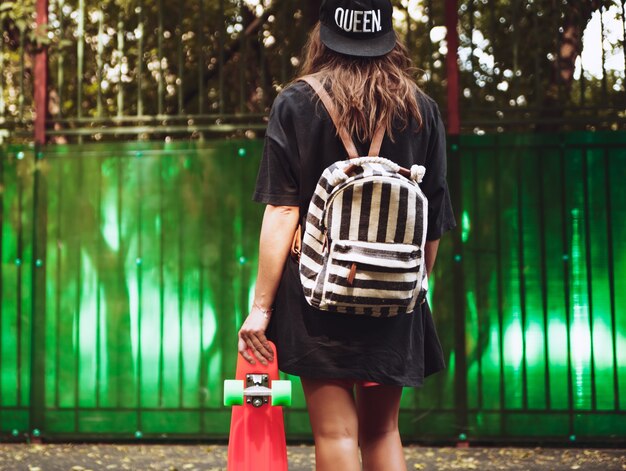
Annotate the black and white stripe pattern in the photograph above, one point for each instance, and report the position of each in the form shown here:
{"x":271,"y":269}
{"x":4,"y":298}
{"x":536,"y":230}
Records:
{"x":363,"y":243}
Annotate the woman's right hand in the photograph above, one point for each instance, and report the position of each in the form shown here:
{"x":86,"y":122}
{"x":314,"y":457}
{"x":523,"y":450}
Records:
{"x":277,"y":231}
{"x":252,"y":337}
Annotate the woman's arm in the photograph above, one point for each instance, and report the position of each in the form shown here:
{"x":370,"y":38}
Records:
{"x":430,"y":252}
{"x":277,"y":231}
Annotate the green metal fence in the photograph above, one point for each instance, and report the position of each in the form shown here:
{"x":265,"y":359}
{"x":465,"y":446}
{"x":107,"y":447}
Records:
{"x":544,"y":230}
{"x":127,"y":268}
{"x":149,"y":254}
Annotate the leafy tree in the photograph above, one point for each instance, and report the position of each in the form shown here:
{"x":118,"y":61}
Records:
{"x":220,"y":56}
{"x":521,"y":58}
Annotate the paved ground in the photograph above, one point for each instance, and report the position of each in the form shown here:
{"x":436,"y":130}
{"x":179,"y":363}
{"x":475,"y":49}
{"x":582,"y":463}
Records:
{"x":18,"y":457}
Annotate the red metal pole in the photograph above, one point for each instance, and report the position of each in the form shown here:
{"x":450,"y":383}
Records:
{"x":41,"y":76}
{"x":456,"y":189}
{"x":452,"y":67}
{"x":37,"y":417}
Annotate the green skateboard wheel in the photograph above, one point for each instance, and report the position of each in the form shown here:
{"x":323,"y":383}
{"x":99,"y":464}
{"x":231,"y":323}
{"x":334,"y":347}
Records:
{"x":233,"y":392}
{"x":281,"y":393}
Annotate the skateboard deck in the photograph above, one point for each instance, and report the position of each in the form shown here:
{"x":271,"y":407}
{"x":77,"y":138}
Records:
{"x":257,"y":430}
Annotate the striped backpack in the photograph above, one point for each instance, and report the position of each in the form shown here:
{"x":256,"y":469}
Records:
{"x":362,"y":251}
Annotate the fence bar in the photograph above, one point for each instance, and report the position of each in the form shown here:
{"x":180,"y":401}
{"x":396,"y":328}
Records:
{"x":98,"y":262}
{"x":139,"y":264}
{"x":474,"y":69}
{"x":429,"y":42}
{"x":181,"y":65}
{"x":262,"y":66}
{"x":2,"y":105}
{"x":459,"y":304}
{"x":61,"y":59}
{"x":538,"y":88}
{"x":518,"y":11}
{"x":493,"y":27}
{"x":201,"y":61}
{"x":452,"y":37}
{"x":470,"y":35}
{"x":161,"y":361}
{"x":2,"y":223}
{"x":57,"y":292}
{"x":203,"y":377}
{"x":499,"y":277}
{"x":603,"y":55}
{"x":544,"y":281}
{"x":477,"y":276}
{"x":117,"y":376}
{"x":220,"y":45}
{"x":588,"y":261}
{"x":78,"y":248}
{"x":521,"y":278}
{"x":567,"y":288}
{"x":583,"y":83}
{"x":140,"y":32}
{"x":181,"y":299}
{"x":41,"y":76}
{"x":120,"y":58}
{"x":283,"y":50}
{"x":160,"y":55}
{"x":39,"y":236}
{"x":80,"y":52}
{"x":557,"y":56}
{"x":20,"y":275}
{"x":38,"y":320}
{"x":624,"y":38}
{"x":243,"y":57}
{"x":611,"y":270}
{"x":99,"y":60}
{"x":22,"y":75}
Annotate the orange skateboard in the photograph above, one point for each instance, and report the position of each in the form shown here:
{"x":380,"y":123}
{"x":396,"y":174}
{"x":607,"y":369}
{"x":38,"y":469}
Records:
{"x":257,"y":430}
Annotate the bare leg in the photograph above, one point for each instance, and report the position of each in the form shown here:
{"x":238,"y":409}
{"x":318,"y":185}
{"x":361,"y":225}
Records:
{"x":332,"y":411}
{"x":381,"y":447}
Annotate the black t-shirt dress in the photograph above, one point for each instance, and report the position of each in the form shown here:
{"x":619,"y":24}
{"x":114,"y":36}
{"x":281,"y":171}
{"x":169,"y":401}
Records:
{"x":300,"y":143}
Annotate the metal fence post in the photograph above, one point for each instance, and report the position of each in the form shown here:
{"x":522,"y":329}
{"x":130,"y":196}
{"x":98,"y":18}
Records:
{"x":38,"y":279}
{"x":452,"y":66}
{"x":454,"y":128}
{"x":41,"y":75}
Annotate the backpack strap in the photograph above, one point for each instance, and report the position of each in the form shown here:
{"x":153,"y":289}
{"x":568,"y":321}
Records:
{"x":377,"y":142}
{"x":343,"y":133}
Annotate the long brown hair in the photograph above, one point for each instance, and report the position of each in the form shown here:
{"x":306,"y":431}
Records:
{"x":367,"y":91}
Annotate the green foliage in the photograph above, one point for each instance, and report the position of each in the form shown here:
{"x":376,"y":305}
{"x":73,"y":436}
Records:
{"x":20,"y":16}
{"x":16,"y":13}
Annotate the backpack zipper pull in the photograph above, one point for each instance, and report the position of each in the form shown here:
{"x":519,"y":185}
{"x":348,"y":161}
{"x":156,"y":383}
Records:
{"x":352,"y":274}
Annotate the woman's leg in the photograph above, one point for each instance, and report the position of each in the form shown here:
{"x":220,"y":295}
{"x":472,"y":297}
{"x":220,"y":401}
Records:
{"x":378,"y":408}
{"x":333,"y":416}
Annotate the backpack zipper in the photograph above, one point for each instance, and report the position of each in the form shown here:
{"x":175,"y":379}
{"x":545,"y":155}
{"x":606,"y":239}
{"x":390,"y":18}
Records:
{"x":364,"y":180}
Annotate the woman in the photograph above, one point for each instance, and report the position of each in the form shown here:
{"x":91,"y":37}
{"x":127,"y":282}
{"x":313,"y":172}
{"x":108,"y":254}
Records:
{"x":352,"y":368}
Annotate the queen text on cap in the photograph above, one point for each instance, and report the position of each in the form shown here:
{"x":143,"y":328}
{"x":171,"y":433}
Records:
{"x":358,"y":21}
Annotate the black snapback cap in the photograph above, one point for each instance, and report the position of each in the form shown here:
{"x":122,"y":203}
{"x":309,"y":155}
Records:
{"x":361,"y":28}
